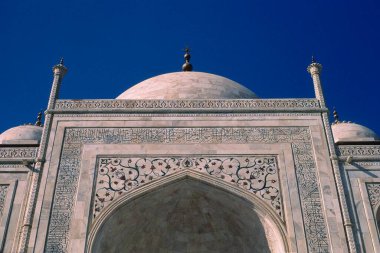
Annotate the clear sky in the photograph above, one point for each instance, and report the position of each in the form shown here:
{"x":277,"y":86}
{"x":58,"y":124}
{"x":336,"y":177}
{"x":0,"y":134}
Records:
{"x":265,"y":45}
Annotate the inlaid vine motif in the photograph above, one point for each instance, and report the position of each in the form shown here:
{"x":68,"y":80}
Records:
{"x":256,"y":174}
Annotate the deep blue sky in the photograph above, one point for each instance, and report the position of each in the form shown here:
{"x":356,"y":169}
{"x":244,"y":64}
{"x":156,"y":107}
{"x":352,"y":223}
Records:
{"x":265,"y":45}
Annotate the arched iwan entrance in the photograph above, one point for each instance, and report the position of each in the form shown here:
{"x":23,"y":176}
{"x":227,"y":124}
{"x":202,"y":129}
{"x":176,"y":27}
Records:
{"x":187,"y":214}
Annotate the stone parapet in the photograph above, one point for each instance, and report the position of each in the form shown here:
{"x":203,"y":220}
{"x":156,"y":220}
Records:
{"x":213,"y":105}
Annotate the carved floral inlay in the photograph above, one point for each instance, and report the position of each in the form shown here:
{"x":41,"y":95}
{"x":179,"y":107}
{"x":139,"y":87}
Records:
{"x":256,"y":174}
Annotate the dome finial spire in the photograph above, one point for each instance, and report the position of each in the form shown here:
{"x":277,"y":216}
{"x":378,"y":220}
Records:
{"x":187,"y":65}
{"x":336,"y":116}
{"x":39,"y":118}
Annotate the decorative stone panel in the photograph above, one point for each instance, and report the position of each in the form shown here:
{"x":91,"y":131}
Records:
{"x":373,"y":190}
{"x":367,"y":163}
{"x":374,"y":194}
{"x":3,"y":194}
{"x":75,"y":138}
{"x":256,"y":174}
{"x":310,"y":198}
{"x":212,"y":104}
{"x":18,"y":152}
{"x":7,"y":208}
{"x":359,"y":150}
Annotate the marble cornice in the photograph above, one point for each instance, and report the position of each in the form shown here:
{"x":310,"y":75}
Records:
{"x":188,"y":106}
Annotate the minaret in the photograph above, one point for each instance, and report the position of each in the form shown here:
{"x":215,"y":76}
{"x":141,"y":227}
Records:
{"x":187,"y":65}
{"x":59,"y":71}
{"x":315,"y":70}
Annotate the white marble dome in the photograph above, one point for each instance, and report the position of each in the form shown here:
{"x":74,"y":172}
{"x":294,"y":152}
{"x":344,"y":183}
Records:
{"x":187,"y":85}
{"x":351,"y":132}
{"x":25,"y":134}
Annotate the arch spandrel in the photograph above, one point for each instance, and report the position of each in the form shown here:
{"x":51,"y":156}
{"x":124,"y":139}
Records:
{"x":244,"y":215}
{"x":257,"y":175}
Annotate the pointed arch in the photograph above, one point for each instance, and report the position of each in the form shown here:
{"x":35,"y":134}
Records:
{"x":248,"y":206}
{"x":376,"y":210}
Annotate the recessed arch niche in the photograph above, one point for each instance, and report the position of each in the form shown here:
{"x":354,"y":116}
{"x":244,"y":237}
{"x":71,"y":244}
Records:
{"x":377,"y":214}
{"x":187,"y":215}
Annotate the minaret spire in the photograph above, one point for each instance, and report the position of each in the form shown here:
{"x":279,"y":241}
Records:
{"x":187,"y":65}
{"x":59,"y":71}
{"x":315,"y":69}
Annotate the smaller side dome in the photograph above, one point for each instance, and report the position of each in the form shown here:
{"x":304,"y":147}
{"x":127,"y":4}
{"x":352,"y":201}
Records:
{"x":25,"y":134}
{"x":352,"y":132}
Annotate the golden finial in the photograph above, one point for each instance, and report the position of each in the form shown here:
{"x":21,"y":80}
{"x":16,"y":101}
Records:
{"x":187,"y":65}
{"x":39,"y":118}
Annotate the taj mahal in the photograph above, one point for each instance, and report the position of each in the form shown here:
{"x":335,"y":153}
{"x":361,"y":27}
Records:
{"x":189,"y":162}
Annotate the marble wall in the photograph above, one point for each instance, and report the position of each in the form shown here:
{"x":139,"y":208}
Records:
{"x":261,"y":171}
{"x":306,"y":212}
{"x":15,"y":166}
{"x":361,"y":165}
